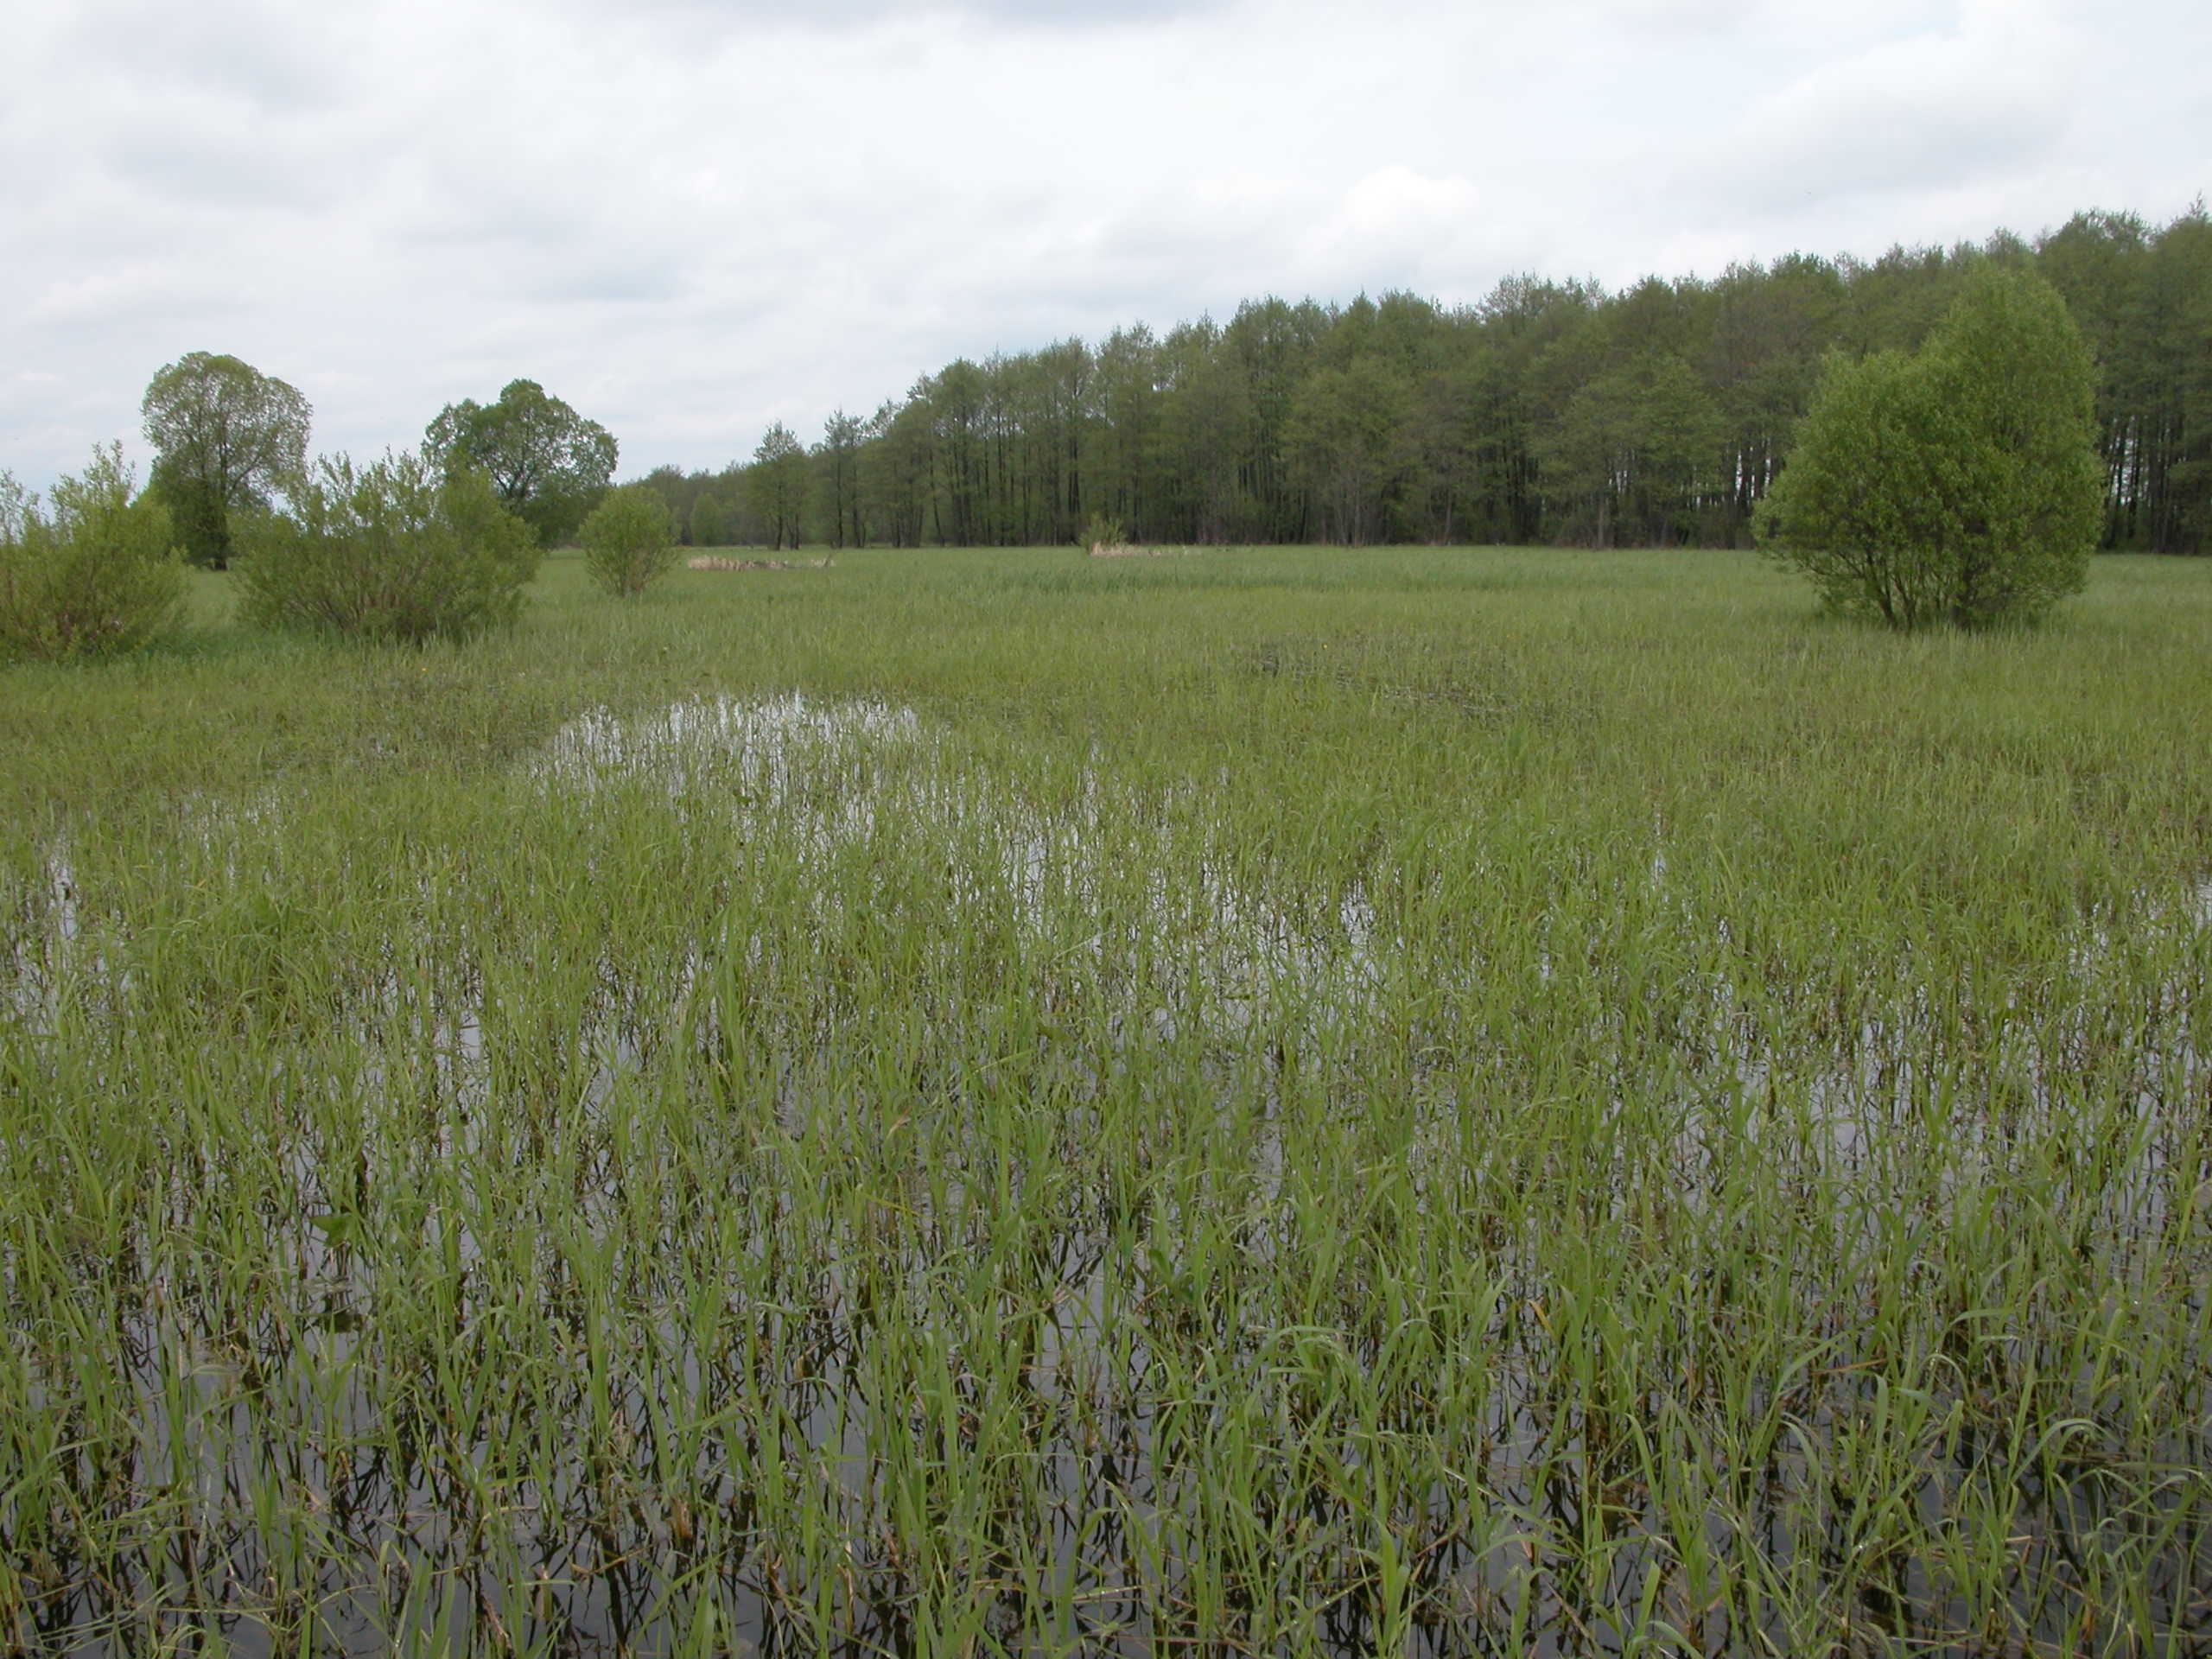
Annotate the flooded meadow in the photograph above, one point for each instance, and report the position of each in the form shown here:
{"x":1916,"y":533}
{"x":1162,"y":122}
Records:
{"x":1465,"y":1106}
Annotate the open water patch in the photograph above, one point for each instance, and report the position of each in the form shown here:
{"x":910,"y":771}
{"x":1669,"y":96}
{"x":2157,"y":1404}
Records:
{"x":1092,"y":878}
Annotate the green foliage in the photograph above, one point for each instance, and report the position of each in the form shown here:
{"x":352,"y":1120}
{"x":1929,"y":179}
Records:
{"x":896,"y":471}
{"x":629,"y":540}
{"x":777,"y":484}
{"x":224,"y":434}
{"x":1636,"y":445}
{"x":200,"y":521}
{"x":1345,"y":435}
{"x":1547,"y":412}
{"x":1957,"y":483}
{"x":836,"y":460}
{"x":399,"y":550}
{"x":710,"y":525}
{"x":1474,"y":1103}
{"x":548,"y":464}
{"x":98,"y":578}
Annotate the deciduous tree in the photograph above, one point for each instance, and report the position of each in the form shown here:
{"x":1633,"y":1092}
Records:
{"x":1345,"y":435}
{"x":836,"y":460}
{"x":710,"y":521}
{"x":1960,"y":482}
{"x":548,"y":464}
{"x":225,"y":436}
{"x":776,"y":482}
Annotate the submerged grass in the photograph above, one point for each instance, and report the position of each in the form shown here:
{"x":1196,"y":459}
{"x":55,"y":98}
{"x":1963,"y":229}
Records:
{"x":1421,"y":1101}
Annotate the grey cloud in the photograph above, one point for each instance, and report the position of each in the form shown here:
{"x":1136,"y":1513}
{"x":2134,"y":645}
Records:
{"x":615,"y":283}
{"x":490,"y":217}
{"x":1085,"y":13}
{"x":826,"y":15}
{"x":270,"y":57}
{"x":226,"y":170}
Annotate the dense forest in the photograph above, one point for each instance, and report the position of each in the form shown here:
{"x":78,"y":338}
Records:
{"x":1550,"y":412}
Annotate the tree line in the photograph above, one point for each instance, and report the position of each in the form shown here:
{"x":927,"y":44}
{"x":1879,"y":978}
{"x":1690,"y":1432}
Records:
{"x":1550,"y":412}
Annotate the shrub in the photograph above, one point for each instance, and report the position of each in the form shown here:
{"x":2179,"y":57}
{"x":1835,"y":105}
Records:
{"x":629,"y":540}
{"x":99,"y":577}
{"x":711,"y":524}
{"x":399,"y":551}
{"x":1102,"y":530}
{"x":1957,"y":483}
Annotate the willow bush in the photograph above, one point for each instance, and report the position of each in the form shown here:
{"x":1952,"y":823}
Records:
{"x":395,"y":550}
{"x":97,"y":575}
{"x":629,"y":540}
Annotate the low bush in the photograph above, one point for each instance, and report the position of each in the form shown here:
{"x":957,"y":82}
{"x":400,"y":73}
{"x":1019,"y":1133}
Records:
{"x":97,"y":575}
{"x":629,"y":540}
{"x":397,"y":551}
{"x":1102,"y":530}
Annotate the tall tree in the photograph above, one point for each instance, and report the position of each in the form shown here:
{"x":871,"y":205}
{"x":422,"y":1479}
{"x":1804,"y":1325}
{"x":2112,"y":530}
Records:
{"x":2165,"y":375}
{"x":1346,"y":439}
{"x":709,"y":523}
{"x":777,"y":484}
{"x":898,"y":466}
{"x":1635,"y":447}
{"x":838,"y":478}
{"x":1059,"y":386}
{"x":2098,"y":262}
{"x":1204,"y":433}
{"x":1274,"y":343}
{"x":1769,"y":328}
{"x":1121,"y":445}
{"x":225,"y":436}
{"x":548,"y":464}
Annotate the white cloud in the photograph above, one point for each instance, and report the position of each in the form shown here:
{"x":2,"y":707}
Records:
{"x":692,"y":217}
{"x":1922,"y":112}
{"x":1395,"y":219}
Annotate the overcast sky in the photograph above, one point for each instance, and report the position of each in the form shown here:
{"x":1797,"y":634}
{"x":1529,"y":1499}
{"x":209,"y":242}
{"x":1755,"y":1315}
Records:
{"x":689,"y":217}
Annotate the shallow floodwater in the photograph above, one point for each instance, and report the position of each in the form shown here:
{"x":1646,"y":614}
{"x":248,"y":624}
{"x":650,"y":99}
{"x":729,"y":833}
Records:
{"x":1004,"y":1206}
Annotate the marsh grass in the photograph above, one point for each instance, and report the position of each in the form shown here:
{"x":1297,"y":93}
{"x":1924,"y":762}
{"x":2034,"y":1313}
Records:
{"x":1414,"y":1102}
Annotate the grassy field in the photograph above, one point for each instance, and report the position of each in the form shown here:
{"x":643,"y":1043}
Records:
{"x":1417,"y":1100}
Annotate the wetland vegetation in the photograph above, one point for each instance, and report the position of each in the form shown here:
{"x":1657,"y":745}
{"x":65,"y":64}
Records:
{"x":1424,"y":1101}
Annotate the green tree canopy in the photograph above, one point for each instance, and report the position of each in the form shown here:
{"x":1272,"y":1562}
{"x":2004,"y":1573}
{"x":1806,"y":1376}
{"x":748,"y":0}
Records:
{"x":1343,"y":434}
{"x":778,"y":483}
{"x":225,"y":436}
{"x":1636,"y":445}
{"x":1960,"y":482}
{"x":1545,"y":412}
{"x":837,"y":477}
{"x":710,"y":520}
{"x":547,"y":463}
